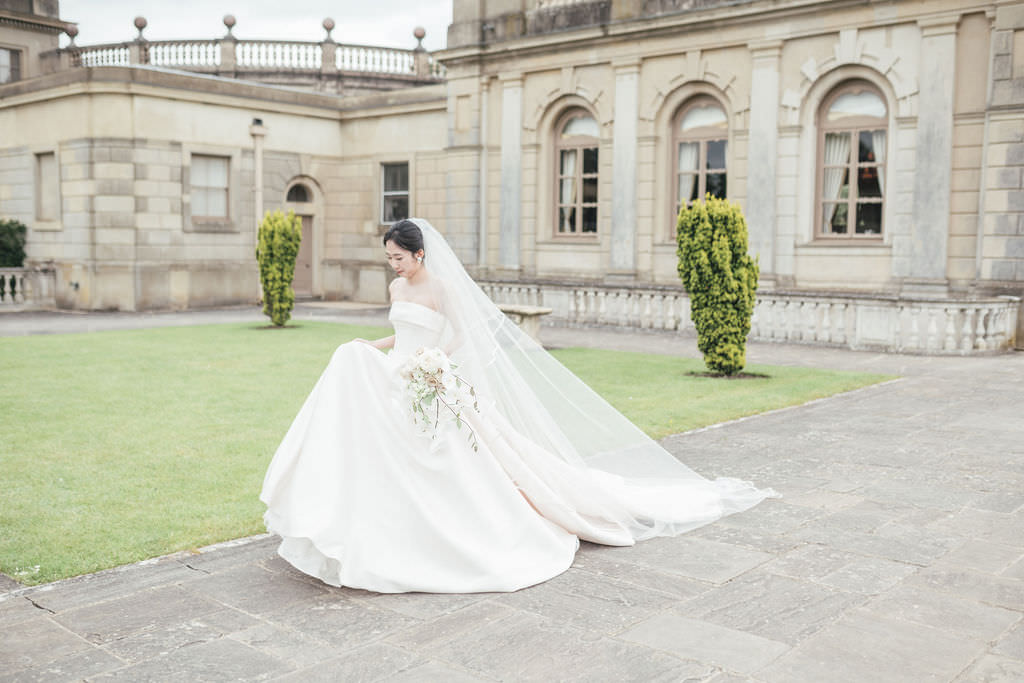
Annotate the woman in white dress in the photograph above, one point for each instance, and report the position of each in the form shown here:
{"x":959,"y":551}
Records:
{"x":497,"y":499}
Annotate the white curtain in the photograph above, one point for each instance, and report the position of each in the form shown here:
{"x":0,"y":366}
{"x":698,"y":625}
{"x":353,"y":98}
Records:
{"x":837,"y":152}
{"x":878,"y":143}
{"x":689,"y":153}
{"x":567,"y":189}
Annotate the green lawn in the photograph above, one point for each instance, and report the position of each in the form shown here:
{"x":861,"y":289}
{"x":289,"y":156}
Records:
{"x":119,"y":446}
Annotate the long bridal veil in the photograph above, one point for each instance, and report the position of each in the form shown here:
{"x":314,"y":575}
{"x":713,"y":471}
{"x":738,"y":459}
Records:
{"x":547,"y":403}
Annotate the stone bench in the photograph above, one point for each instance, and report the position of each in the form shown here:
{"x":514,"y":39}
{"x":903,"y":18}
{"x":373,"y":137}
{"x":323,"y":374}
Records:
{"x":527,"y":317}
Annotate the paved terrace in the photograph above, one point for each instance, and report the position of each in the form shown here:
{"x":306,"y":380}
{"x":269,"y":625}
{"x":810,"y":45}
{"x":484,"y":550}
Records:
{"x":896,"y":554}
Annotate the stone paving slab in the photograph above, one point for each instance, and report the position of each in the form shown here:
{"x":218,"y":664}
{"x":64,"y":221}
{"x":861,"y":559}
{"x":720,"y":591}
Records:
{"x":896,"y":554}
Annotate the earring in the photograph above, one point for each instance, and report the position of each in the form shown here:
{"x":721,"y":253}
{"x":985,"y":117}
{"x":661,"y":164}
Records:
{"x":420,"y":259}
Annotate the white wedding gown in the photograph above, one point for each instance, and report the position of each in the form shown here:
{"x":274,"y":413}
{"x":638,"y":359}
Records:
{"x":363,"y":498}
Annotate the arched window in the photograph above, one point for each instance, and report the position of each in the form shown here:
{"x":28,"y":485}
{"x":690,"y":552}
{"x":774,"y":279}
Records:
{"x":576,"y":158}
{"x":853,"y":126}
{"x":700,"y":133}
{"x":298,"y":193}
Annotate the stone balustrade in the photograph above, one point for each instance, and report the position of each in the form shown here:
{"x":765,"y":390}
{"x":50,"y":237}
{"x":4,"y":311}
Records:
{"x":27,"y":288}
{"x":278,"y":54}
{"x":931,"y":326}
{"x":220,"y":56}
{"x":183,"y":54}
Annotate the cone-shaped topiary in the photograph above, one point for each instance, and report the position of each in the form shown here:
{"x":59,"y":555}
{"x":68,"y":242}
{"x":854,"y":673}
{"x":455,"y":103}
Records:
{"x":279,"y":240}
{"x":721,"y":279}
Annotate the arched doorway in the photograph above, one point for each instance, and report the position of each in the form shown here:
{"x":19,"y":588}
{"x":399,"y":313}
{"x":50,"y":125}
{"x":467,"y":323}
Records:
{"x":302,"y":197}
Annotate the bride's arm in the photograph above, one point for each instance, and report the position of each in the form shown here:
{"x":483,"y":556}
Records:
{"x":381,"y":344}
{"x":384,"y":342}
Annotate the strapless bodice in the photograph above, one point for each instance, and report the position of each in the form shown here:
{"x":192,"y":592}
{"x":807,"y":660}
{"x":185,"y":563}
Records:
{"x":416,"y":326}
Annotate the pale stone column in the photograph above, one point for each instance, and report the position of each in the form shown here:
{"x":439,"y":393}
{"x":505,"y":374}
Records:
{"x":511,"y":169}
{"x":762,"y":156}
{"x":624,"y":158}
{"x":934,"y":153}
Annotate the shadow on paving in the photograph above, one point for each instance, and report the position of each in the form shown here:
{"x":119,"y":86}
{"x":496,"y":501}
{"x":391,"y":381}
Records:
{"x":895,"y":554}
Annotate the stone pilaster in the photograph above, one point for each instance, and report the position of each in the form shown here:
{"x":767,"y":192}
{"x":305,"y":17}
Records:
{"x":624,"y":159}
{"x":934,"y":155}
{"x":511,"y":170}
{"x":763,"y":156}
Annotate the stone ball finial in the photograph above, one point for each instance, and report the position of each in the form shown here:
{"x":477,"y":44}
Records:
{"x":229,"y":21}
{"x":140,"y":23}
{"x":419,"y":33}
{"x":328,"y":25}
{"x":72,"y":31}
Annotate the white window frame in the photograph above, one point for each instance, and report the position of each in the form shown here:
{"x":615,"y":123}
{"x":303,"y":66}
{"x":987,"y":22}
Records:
{"x":385,"y":193}
{"x":13,"y":64}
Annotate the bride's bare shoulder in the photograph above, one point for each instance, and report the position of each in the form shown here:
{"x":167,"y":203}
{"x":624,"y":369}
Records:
{"x":397,"y":288}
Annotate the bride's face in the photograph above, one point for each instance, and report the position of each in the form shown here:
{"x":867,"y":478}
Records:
{"x":402,"y":261}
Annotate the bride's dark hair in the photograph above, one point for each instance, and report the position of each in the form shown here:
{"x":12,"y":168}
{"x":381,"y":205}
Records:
{"x":406,"y":235}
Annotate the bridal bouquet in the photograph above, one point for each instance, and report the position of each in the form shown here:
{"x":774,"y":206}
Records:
{"x":436,"y":392}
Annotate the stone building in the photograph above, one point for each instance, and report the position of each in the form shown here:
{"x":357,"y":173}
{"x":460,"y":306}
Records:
{"x":876,"y":147}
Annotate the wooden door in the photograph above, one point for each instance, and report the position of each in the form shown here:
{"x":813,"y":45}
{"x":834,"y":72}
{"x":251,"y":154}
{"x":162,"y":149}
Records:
{"x":302,"y":283}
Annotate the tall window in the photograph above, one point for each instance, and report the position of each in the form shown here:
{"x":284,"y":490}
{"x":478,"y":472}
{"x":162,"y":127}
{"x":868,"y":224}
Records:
{"x":395,"y":194}
{"x":10,"y":65}
{"x":701,"y":133}
{"x":576,"y":147}
{"x":853,"y":123}
{"x":209,"y":186}
{"x":47,"y":187}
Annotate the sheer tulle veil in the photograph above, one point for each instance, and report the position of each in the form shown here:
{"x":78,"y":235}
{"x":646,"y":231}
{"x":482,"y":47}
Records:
{"x":542,"y":399}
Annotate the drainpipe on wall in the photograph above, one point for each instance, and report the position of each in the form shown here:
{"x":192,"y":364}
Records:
{"x":481,"y":257}
{"x":257,"y":130}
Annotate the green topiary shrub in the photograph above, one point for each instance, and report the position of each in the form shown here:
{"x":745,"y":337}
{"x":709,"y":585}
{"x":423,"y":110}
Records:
{"x":721,"y":279}
{"x":12,"y":244}
{"x":279,"y":239}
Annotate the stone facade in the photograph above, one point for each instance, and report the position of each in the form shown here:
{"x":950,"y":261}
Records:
{"x":481,"y":153}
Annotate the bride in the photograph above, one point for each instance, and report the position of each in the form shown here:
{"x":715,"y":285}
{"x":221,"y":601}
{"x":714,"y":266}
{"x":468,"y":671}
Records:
{"x":365,"y":495}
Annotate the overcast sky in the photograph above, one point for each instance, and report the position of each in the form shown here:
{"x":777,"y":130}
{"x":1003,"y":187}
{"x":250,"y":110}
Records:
{"x":366,"y":22}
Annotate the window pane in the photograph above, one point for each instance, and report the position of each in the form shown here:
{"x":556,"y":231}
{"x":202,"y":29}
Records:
{"x":590,"y":190}
{"x":566,"y":219}
{"x":687,"y":190}
{"x":298,"y":193}
{"x":836,"y":183}
{"x":199,"y":202}
{"x":834,"y":218}
{"x":396,"y":178}
{"x":867,"y":182}
{"x":218,"y":172}
{"x":590,"y":160}
{"x":869,"y":219}
{"x":581,"y":125}
{"x":837,"y":149}
{"x":567,"y":165}
{"x":217,"y":203}
{"x":716,"y":184}
{"x":199,"y":172}
{"x":689,"y":156}
{"x":396,"y":208}
{"x":567,"y":192}
{"x":716,"y":154}
{"x":589,"y":219}
{"x":6,"y":74}
{"x":866,"y":148}
{"x":704,"y":116}
{"x":856,"y":104}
